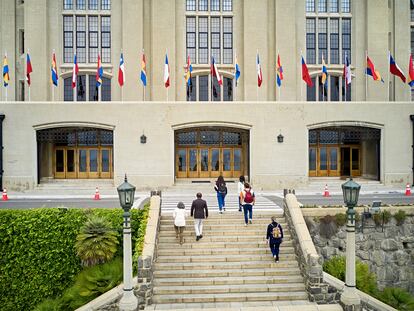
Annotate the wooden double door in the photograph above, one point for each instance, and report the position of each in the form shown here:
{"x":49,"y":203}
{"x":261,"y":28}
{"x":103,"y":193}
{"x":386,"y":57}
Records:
{"x":206,"y":162}
{"x":83,"y":162}
{"x":334,"y":161}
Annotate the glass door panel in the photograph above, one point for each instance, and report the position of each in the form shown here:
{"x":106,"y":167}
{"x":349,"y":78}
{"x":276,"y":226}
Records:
{"x":323,"y":162}
{"x":181,"y":163}
{"x":226,"y":163}
{"x":355,"y":162}
{"x":105,"y":162}
{"x":192,"y":163}
{"x":237,"y":162}
{"x":204,"y":162}
{"x":333,"y":162}
{"x":83,"y":163}
{"x":215,"y":162}
{"x":93,"y":163}
{"x":312,"y":161}
{"x":70,"y":163}
{"x":60,"y":163}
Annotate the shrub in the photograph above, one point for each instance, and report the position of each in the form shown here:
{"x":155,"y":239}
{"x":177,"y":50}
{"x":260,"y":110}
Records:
{"x":97,"y":242}
{"x":327,"y":226}
{"x":397,"y":298}
{"x":335,"y":267}
{"x":400,"y":217}
{"x":382,"y":216}
{"x":340,"y":219}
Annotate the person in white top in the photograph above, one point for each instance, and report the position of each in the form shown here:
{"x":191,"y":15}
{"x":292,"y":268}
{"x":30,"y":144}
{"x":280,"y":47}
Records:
{"x":179,"y":215}
{"x":240,"y":188}
{"x":248,"y":199}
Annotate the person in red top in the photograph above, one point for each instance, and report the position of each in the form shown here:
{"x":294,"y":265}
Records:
{"x":247,"y":198}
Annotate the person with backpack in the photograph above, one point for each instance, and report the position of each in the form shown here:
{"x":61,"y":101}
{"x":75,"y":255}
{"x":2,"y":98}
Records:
{"x":247,"y":197}
{"x":221,"y":190}
{"x":274,"y":237}
{"x":240,"y":188}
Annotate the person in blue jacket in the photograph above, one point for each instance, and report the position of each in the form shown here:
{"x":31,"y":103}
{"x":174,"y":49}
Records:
{"x":274,"y":237}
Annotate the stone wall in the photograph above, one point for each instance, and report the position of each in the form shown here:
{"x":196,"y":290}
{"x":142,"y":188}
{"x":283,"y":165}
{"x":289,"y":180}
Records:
{"x":389,"y":252}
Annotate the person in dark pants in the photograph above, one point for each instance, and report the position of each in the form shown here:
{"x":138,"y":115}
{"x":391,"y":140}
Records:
{"x":200,"y":211}
{"x":248,"y":199}
{"x":274,"y":237}
{"x":221,"y":190}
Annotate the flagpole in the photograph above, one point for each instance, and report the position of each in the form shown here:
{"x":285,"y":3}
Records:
{"x":257,"y":85}
{"x":277,"y":67}
{"x":143,"y":86}
{"x":345,"y":75}
{"x":166,"y":55}
{"x":28,"y":51}
{"x":388,"y":86}
{"x":122,"y":87}
{"x":235,"y":79}
{"x":301,"y":91}
{"x":366,"y":76}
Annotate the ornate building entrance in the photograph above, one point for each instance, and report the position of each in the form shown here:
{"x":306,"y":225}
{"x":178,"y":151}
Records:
{"x":210,"y":152}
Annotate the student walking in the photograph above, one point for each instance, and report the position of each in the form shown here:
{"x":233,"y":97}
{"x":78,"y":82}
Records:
{"x":274,"y":237}
{"x":247,"y":197}
{"x":200,"y":212}
{"x":179,"y":215}
{"x":240,"y":188}
{"x":221,"y":190}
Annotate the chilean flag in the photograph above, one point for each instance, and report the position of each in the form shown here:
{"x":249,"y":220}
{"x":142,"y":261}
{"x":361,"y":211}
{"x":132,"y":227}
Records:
{"x":75,"y":71}
{"x":411,"y":71}
{"x":215,"y":72}
{"x":259,"y":71}
{"x":121,"y":71}
{"x":166,"y":72}
{"x":29,"y":68}
{"x":395,"y":70}
{"x":305,"y":74}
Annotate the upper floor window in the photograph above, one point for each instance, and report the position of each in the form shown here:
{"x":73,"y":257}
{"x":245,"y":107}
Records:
{"x":204,"y":89}
{"x":86,"y":89}
{"x":83,"y":4}
{"x":209,"y":35}
{"x":87,"y":35}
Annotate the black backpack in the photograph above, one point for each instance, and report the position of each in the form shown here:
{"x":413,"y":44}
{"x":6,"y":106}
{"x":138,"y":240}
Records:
{"x":222,"y":188}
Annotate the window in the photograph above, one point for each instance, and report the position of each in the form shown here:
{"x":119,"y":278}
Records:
{"x":346,"y":6}
{"x":93,"y":89}
{"x":215,"y":38}
{"x":334,"y":88}
{"x":346,"y":39}
{"x":68,"y":4}
{"x":203,"y":40}
{"x":21,"y":90}
{"x":310,"y":5}
{"x":81,"y":88}
{"x":333,"y":6}
{"x":321,"y":6}
{"x":215,"y":5}
{"x":310,"y":41}
{"x":91,"y":34}
{"x":334,"y":41}
{"x":93,"y":4}
{"x":227,"y":40}
{"x":86,"y":89}
{"x":227,"y":5}
{"x":21,"y":41}
{"x":192,"y":90}
{"x":67,"y":90}
{"x":190,"y":5}
{"x":202,"y":5}
{"x":209,"y":90}
{"x":227,"y":89}
{"x":311,"y":91}
{"x":81,"y":4}
{"x":216,"y":91}
{"x":106,"y":89}
{"x":203,"y":82}
{"x":346,"y":92}
{"x":191,"y":38}
{"x":323,"y":39}
{"x":106,"y":5}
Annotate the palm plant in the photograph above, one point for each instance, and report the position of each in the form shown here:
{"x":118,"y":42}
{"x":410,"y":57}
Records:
{"x":97,"y":242}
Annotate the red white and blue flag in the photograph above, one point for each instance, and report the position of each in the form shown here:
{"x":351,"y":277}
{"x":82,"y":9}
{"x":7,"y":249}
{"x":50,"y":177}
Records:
{"x":411,"y":72}
{"x":305,"y":74}
{"x":29,"y":68}
{"x":259,"y":71}
{"x":215,"y":72}
{"x":121,"y":71}
{"x":395,"y":70}
{"x":75,"y":71}
{"x":166,"y":72}
{"x":347,"y":72}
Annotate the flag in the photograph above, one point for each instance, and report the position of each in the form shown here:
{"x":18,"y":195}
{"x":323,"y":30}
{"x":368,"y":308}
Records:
{"x":99,"y":72}
{"x":29,"y":68}
{"x":395,"y":69}
{"x":121,"y":71}
{"x":54,"y":75}
{"x":188,"y":71}
{"x":279,"y":72}
{"x":143,"y":70}
{"x":215,"y":72}
{"x":305,"y":74}
{"x":6,"y":76}
{"x":324,"y":72}
{"x":259,"y":71}
{"x":75,"y":71}
{"x":347,"y":72}
{"x":166,"y":72}
{"x":410,"y":72}
{"x":372,"y":72}
{"x":237,"y":71}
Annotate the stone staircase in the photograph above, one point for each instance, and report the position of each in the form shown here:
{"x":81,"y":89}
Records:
{"x":230,"y":267}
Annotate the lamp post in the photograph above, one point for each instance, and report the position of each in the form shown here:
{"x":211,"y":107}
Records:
{"x":126,"y":193}
{"x":349,"y":297}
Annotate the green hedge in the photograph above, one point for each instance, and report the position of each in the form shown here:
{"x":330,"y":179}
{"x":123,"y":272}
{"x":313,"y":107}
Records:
{"x":37,"y":254}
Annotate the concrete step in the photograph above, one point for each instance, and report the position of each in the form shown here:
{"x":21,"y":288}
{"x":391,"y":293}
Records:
{"x":224,"y":238}
{"x":229,"y":297}
{"x":287,"y":305}
{"x":229,"y":280}
{"x":230,"y":216}
{"x":283,"y":263}
{"x":221,"y":258}
{"x":203,"y":244}
{"x":190,"y":232}
{"x":168,"y":224}
{"x":222,"y":289}
{"x":219,"y":251}
{"x":224,"y":272}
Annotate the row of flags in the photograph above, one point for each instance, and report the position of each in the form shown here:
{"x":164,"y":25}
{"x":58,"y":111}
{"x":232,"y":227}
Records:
{"x":370,"y":71}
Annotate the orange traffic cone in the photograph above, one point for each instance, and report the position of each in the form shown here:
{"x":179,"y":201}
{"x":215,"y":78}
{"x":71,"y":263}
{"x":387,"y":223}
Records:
{"x":407,"y":190}
{"x":326,"y":191}
{"x":97,"y":195}
{"x":5,"y":197}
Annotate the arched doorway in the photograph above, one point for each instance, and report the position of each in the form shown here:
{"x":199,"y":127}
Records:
{"x":75,"y":153}
{"x":344,"y":151}
{"x":207,"y":152}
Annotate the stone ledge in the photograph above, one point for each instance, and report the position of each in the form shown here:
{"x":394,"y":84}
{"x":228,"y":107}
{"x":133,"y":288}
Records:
{"x":320,"y":212}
